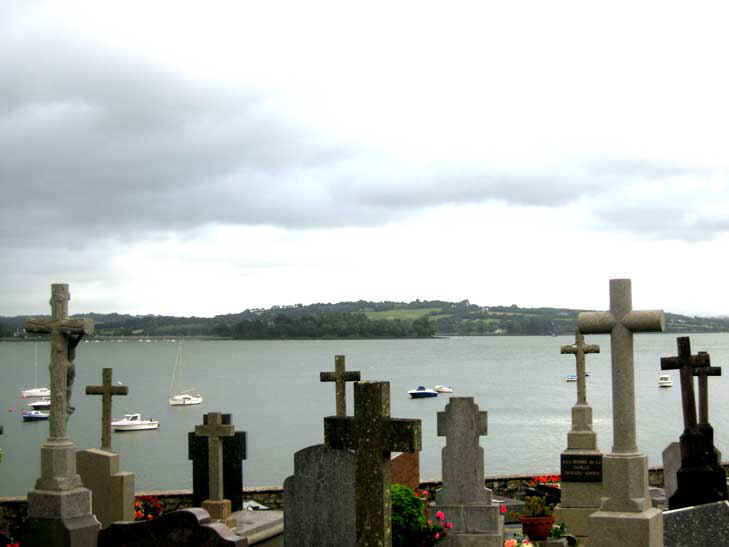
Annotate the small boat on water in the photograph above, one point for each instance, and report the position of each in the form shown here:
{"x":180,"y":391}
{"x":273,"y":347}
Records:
{"x":422,"y":392}
{"x":134,"y":422}
{"x":40,"y":404}
{"x":443,"y":389}
{"x":34,"y":415}
{"x":35,"y":391}
{"x":664,"y":380}
{"x":186,"y":397}
{"x":573,"y":377}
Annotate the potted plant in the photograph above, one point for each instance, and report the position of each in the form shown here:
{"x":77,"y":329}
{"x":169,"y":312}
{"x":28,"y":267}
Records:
{"x":536,"y":517}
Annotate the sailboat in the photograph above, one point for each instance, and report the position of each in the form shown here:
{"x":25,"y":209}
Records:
{"x":36,"y":391}
{"x":186,"y":397}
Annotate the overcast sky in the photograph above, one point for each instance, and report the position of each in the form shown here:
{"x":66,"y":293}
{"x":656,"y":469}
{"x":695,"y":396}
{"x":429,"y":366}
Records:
{"x":200,"y":158}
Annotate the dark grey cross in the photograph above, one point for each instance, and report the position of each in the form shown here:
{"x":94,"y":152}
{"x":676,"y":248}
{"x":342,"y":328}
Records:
{"x":703,"y":374}
{"x":339,"y":377}
{"x":372,"y":434}
{"x":65,"y":335}
{"x":215,"y":429}
{"x":579,"y":349}
{"x":106,"y":390}
{"x":621,"y":322}
{"x":686,"y":363}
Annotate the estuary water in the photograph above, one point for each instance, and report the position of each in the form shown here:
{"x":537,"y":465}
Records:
{"x":273,"y":392}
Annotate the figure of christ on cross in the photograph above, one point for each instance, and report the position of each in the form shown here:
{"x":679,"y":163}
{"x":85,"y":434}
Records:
{"x":106,"y":390}
{"x":339,"y":377}
{"x":372,"y":434}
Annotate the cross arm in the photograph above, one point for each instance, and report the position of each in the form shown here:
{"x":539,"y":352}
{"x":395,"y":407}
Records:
{"x":350,"y":376}
{"x":645,"y":321}
{"x":404,"y":435}
{"x":339,"y":432}
{"x":66,"y":326}
{"x":698,"y":361}
{"x":595,"y":322}
{"x":707,"y":371}
{"x":101,"y":390}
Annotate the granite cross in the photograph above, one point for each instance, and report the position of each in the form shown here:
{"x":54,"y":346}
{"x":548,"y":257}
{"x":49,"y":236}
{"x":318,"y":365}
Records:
{"x":339,"y":377}
{"x":65,"y":336}
{"x":372,"y":434}
{"x":703,"y":373}
{"x":106,"y":390}
{"x":686,"y":363}
{"x":214,"y":428}
{"x":579,"y":349}
{"x":462,"y":424}
{"x":621,"y":322}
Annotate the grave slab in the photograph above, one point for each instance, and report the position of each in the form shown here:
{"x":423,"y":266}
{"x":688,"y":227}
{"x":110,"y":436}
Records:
{"x":706,"y":524}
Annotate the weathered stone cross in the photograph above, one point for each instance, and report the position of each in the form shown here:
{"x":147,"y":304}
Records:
{"x":106,"y":390}
{"x":462,"y":424}
{"x":686,"y":363}
{"x":340,"y":376}
{"x":703,"y":373}
{"x":372,"y":434}
{"x":621,"y":322}
{"x":65,"y":335}
{"x":214,"y":429}
{"x":579,"y":349}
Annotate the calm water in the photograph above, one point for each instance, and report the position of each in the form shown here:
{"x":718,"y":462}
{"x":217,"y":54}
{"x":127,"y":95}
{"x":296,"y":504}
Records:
{"x":272,"y":389}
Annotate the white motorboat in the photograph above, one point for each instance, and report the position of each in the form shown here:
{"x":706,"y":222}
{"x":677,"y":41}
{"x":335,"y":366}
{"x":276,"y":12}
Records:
{"x":35,"y":391}
{"x":443,"y":389}
{"x":34,"y":415}
{"x":572,"y":377}
{"x":186,"y":397}
{"x":40,"y":404}
{"x":422,"y":392}
{"x":664,"y":380}
{"x":134,"y":422}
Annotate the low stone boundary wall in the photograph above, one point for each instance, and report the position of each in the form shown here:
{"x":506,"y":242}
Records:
{"x":14,"y":510}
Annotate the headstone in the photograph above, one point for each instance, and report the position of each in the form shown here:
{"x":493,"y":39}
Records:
{"x":626,"y":516}
{"x":464,"y":500}
{"x":700,"y":479}
{"x":340,"y":376}
{"x":706,"y":524}
{"x":216,"y":426}
{"x":184,"y":528}
{"x":113,"y":490}
{"x":373,"y":435}
{"x":59,"y":509}
{"x":581,"y":462}
{"x":234,"y":452}
{"x":671,"y":464}
{"x":319,"y":501}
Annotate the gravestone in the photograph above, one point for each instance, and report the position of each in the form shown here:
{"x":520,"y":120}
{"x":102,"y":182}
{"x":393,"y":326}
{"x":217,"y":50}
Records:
{"x":700,"y":479}
{"x":340,"y":376}
{"x":234,"y":452}
{"x":463,"y":498}
{"x":581,"y":462}
{"x":59,"y":509}
{"x":373,"y":435}
{"x":216,"y":426}
{"x":184,"y":528}
{"x":319,"y":500}
{"x":113,"y":490}
{"x":706,"y":524}
{"x":626,"y":516}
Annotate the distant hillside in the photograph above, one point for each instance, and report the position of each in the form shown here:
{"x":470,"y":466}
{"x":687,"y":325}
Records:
{"x":363,"y":319}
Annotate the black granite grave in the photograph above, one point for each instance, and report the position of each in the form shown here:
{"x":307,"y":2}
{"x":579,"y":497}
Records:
{"x":234,"y":452}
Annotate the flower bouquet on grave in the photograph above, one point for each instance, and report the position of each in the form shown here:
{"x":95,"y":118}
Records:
{"x":147,"y":508}
{"x":411,"y":525}
{"x":536,"y":517}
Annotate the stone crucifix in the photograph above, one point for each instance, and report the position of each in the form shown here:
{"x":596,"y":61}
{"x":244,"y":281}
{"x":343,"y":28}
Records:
{"x":339,"y":377}
{"x":65,"y":336}
{"x":703,"y":374}
{"x":215,"y":429}
{"x":686,"y":363}
{"x":372,"y":434}
{"x":106,"y":390}
{"x":579,"y":349}
{"x":621,"y":322}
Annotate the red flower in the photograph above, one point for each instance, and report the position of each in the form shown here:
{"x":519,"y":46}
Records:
{"x":503,"y":508}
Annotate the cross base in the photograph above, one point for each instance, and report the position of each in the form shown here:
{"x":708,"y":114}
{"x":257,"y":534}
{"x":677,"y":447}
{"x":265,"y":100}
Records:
{"x":482,"y":519}
{"x":61,"y":519}
{"x":611,"y":528}
{"x":58,"y":467}
{"x":698,"y":485}
{"x":219,"y":510}
{"x":576,"y":519}
{"x":625,"y":481}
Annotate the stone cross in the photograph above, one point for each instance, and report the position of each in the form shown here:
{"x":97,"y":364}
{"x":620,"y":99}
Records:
{"x":621,"y":322}
{"x":703,"y":373}
{"x":106,"y":390}
{"x":372,"y":434}
{"x":65,"y":336}
{"x":339,"y":377}
{"x":462,"y":424}
{"x":579,"y":349}
{"x":214,"y":429}
{"x":686,"y":363}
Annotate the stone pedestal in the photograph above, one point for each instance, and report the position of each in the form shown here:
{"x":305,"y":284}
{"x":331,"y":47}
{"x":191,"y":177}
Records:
{"x":61,"y":519}
{"x":219,"y":510}
{"x":479,"y":525}
{"x":113,"y":491}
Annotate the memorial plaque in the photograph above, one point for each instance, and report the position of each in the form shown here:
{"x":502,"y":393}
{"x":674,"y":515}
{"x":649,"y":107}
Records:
{"x":581,"y":467}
